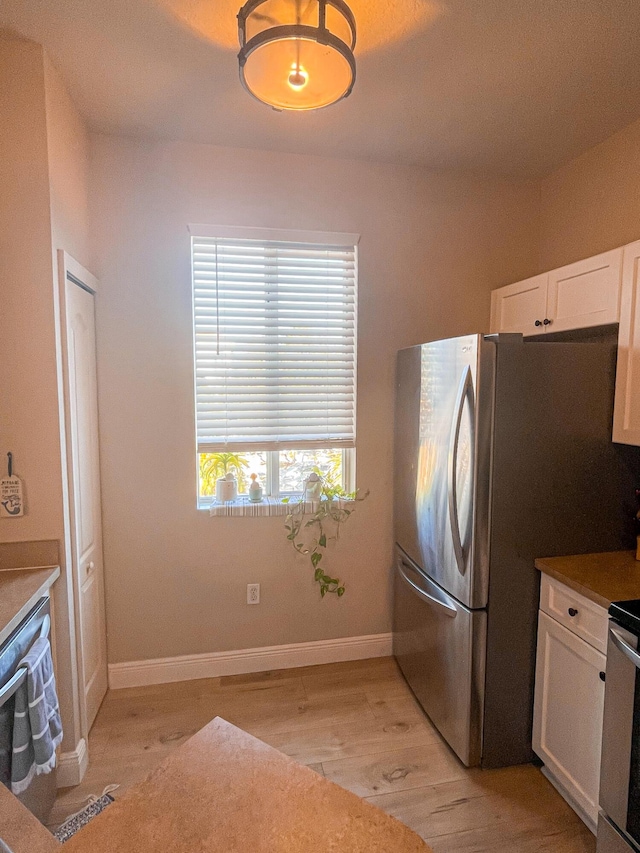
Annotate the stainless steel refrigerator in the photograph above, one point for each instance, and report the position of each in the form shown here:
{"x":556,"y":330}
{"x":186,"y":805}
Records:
{"x":503,"y":453}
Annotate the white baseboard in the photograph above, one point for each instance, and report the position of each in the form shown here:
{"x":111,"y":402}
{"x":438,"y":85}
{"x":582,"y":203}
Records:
{"x":72,"y":765}
{"x":164,"y":670}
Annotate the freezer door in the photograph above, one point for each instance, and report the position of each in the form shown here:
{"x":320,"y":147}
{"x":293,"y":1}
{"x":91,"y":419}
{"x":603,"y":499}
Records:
{"x":444,"y":411}
{"x":440,"y":647}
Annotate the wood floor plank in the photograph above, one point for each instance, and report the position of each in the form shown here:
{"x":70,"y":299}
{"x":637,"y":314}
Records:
{"x":308,"y":713}
{"x":520,"y":796}
{"x":156,"y":737}
{"x":348,"y":740}
{"x":249,"y":678}
{"x":440,"y":809}
{"x":390,"y":709}
{"x":380,"y":677}
{"x":120,"y":706}
{"x":509,"y":838}
{"x":396,"y":771}
{"x":329,"y":670}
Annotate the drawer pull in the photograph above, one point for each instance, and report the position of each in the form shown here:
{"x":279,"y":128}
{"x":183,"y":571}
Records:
{"x":572,"y":611}
{"x":603,"y":675}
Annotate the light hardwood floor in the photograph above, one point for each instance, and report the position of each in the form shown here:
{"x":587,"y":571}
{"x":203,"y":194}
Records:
{"x":359,"y":725}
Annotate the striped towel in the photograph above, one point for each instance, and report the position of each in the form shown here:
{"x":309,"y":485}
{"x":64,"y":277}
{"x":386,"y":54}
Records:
{"x":37,"y":729}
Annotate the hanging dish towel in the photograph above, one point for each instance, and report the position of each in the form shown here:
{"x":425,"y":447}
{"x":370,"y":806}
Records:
{"x":37,"y":729}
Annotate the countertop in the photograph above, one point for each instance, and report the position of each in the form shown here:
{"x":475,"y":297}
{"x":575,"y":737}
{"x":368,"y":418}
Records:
{"x":21,"y":830}
{"x":224,"y":791}
{"x":603,"y":578}
{"x":20,"y":589}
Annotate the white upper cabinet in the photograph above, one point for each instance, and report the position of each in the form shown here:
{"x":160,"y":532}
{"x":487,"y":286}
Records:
{"x":520,"y":307}
{"x":586,"y":293}
{"x":579,"y":295}
{"x":626,"y":415}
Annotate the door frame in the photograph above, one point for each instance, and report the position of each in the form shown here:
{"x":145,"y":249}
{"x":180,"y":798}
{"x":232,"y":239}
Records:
{"x":70,"y":270}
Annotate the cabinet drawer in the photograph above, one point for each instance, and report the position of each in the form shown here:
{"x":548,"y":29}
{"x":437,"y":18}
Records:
{"x":589,"y":621}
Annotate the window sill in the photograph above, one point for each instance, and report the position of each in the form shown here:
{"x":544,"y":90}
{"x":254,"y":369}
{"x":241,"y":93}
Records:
{"x":242,"y":506}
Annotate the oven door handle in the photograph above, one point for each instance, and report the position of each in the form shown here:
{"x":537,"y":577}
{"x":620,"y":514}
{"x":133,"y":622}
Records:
{"x":621,"y":644}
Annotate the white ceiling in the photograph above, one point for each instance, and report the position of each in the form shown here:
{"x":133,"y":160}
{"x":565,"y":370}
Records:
{"x":508,"y":86}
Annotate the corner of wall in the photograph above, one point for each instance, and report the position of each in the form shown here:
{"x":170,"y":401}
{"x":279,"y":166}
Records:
{"x":592,"y":203}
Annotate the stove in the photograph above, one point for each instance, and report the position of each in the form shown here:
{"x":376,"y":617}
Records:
{"x":627,"y":614}
{"x":619,"y":819}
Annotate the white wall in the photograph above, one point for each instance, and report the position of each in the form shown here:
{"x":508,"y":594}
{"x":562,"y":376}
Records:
{"x":43,"y":186}
{"x":592,"y":203}
{"x":28,"y":393}
{"x":432,"y":246}
{"x":68,"y":158}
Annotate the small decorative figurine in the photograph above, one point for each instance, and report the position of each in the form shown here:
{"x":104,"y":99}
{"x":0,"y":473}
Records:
{"x":255,"y":489}
{"x":313,"y":487}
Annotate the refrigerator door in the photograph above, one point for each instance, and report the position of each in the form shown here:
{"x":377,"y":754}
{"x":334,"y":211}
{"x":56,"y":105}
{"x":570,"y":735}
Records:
{"x":444,"y":410}
{"x":440,"y":647}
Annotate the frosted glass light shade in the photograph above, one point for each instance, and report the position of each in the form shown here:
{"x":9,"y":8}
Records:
{"x":295,"y":54}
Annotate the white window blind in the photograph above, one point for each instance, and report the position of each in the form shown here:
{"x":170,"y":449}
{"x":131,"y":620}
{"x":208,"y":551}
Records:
{"x":275,"y":342}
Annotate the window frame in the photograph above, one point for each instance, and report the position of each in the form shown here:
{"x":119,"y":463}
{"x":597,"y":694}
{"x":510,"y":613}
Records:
{"x":272,"y":484}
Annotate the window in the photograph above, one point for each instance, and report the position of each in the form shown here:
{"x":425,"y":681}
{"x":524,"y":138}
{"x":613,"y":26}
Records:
{"x":275,"y":356}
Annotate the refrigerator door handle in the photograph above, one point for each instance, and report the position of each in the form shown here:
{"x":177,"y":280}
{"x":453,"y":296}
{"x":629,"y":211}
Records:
{"x":426,"y":590}
{"x":465,"y":390}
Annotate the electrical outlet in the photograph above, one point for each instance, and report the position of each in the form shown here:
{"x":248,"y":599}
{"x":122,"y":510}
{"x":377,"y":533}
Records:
{"x":253,"y":593}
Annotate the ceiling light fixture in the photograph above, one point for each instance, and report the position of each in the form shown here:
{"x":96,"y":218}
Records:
{"x":297,"y":54}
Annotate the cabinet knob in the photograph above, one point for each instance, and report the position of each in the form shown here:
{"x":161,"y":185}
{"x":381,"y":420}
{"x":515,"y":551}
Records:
{"x":547,"y":322}
{"x":603,"y":675}
{"x":90,"y":566}
{"x":538,"y":323}
{"x":572,"y":611}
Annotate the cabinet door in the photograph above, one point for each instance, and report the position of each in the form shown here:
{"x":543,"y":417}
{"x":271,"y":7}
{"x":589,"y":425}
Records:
{"x":517,"y":307}
{"x":568,"y":711}
{"x":626,"y":414}
{"x":586,"y":293}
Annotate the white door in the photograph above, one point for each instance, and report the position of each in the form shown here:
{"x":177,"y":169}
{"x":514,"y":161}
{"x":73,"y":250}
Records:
{"x":520,"y":307}
{"x":626,"y":413}
{"x":84,"y":477}
{"x":586,"y":293}
{"x":568,"y":712}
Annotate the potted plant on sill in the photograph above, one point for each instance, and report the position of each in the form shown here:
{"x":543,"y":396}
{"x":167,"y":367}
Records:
{"x":216,"y":465}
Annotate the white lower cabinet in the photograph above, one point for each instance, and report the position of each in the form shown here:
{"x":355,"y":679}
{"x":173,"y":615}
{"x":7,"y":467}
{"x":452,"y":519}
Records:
{"x":568,"y":710}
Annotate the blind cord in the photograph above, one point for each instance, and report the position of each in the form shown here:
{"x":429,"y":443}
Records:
{"x":217,"y":305}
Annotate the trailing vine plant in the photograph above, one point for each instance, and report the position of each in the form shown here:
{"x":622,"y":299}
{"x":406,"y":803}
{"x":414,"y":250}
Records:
{"x":310,"y":531}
